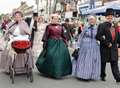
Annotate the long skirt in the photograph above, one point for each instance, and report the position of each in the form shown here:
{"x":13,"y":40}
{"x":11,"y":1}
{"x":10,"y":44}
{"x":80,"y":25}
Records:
{"x":88,"y":64}
{"x":54,"y":61}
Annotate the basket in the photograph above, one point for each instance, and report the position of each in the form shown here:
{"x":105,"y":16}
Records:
{"x":21,"y":46}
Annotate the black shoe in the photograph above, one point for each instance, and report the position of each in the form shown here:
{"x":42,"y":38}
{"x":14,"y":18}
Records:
{"x":103,"y":79}
{"x":85,"y":80}
{"x":118,"y":81}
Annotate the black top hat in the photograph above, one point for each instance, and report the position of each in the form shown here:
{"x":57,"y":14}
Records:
{"x":109,"y":11}
{"x":66,"y":20}
{"x":35,"y":14}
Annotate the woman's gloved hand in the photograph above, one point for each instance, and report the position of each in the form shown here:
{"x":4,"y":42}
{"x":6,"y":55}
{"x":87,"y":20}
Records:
{"x":44,"y":45}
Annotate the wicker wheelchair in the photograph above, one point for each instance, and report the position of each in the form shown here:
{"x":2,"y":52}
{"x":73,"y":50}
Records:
{"x":20,"y":47}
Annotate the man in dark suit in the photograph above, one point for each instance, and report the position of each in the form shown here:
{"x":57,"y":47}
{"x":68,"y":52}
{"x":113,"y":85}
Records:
{"x":108,"y":38}
{"x":32,"y":22}
{"x":67,"y":29}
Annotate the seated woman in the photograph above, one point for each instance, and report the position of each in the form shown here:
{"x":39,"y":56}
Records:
{"x":16,"y":28}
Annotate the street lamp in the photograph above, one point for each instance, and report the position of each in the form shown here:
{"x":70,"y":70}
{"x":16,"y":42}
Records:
{"x":37,"y":4}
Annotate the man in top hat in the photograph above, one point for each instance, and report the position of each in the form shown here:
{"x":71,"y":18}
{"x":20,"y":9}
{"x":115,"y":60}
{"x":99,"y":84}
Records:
{"x":32,"y":22}
{"x":108,"y":38}
{"x":67,"y":29}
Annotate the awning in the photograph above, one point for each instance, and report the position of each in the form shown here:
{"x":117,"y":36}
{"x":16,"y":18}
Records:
{"x":101,"y":10}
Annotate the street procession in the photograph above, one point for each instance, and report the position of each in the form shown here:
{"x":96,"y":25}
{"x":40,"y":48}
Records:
{"x":60,"y":44}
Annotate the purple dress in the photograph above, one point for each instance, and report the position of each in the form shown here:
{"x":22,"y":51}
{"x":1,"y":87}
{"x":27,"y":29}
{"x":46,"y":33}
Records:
{"x":88,"y":64}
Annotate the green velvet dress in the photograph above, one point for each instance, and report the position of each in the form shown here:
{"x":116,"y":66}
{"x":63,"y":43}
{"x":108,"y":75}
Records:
{"x":54,"y":60}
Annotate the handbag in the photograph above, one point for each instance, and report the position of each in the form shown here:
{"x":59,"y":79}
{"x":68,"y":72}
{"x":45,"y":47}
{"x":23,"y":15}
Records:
{"x":75,"y":54}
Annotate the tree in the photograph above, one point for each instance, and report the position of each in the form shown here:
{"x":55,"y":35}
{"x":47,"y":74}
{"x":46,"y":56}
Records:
{"x":104,"y":1}
{"x":1,"y":16}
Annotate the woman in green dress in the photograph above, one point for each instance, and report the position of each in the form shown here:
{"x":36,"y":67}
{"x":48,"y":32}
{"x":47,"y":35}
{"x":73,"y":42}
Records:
{"x":54,"y":61}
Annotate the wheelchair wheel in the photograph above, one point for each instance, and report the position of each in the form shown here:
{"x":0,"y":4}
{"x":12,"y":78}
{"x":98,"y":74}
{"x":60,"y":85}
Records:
{"x":27,"y":71}
{"x":12,"y":74}
{"x":31,"y":76}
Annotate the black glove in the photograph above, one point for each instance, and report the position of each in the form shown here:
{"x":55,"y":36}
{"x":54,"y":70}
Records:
{"x":75,"y":54}
{"x":44,"y":45}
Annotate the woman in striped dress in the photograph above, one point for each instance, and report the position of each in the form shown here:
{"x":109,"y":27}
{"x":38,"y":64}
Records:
{"x":87,"y":66}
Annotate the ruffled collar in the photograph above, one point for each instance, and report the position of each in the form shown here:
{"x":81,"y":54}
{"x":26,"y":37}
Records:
{"x":92,"y":26}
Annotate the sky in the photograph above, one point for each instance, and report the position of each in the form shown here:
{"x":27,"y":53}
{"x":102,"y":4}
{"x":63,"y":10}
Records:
{"x":6,"y":6}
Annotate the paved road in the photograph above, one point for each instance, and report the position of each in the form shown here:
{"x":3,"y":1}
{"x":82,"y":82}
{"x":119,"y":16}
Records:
{"x":68,"y":82}
{"x":43,"y":82}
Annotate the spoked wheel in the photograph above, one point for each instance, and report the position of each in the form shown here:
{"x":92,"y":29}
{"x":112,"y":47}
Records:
{"x":31,"y":75}
{"x":12,"y":74}
{"x":27,"y":71}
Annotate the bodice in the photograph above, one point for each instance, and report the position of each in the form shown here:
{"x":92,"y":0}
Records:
{"x":55,"y":31}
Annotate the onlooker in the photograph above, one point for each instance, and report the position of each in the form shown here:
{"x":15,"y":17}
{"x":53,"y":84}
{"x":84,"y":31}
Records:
{"x":67,"y":29}
{"x":6,"y":21}
{"x":32,"y":22}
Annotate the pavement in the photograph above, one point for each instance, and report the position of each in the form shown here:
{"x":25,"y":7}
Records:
{"x":44,"y":82}
{"x":67,"y":82}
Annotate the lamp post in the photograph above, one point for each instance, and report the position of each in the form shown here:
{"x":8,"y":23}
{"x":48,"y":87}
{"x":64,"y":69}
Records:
{"x":47,"y":6}
{"x":37,"y":4}
{"x":50,"y":9}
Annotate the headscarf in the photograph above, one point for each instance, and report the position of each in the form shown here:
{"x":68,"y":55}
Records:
{"x":80,"y":39}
